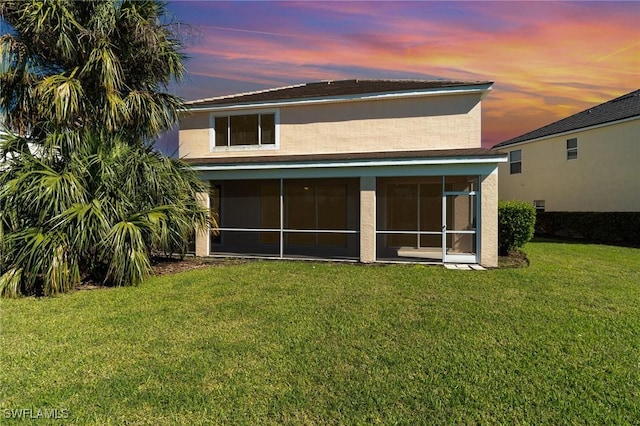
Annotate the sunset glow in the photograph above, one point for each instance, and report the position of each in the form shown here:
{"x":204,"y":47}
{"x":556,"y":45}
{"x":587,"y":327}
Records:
{"x":548,"y":59}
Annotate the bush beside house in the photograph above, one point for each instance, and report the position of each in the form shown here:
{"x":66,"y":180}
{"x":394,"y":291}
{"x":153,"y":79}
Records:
{"x":516,"y":225}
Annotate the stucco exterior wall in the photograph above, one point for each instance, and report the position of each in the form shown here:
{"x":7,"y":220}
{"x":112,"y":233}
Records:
{"x":367,"y":219}
{"x":202,"y":237}
{"x":489,"y":219}
{"x":438,"y":122}
{"x":603,"y":178}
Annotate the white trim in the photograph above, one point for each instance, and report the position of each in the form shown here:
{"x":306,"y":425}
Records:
{"x":357,"y":172}
{"x":275,"y":257}
{"x":513,"y":162}
{"x":301,"y":231}
{"x":346,"y":163}
{"x":236,"y":148}
{"x":482,"y":89}
{"x":568,"y":132}
{"x":460,"y":257}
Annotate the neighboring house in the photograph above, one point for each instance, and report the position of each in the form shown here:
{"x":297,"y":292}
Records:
{"x":361,"y":170}
{"x":588,"y":162}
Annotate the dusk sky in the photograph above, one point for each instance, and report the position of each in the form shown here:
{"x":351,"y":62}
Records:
{"x":548,"y":59}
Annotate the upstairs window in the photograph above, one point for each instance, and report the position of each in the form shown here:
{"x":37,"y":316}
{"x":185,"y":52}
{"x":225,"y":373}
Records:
{"x":515,"y":162}
{"x":245,"y":130}
{"x":572,"y":149}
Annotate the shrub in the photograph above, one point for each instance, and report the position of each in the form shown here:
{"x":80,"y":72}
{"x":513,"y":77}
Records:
{"x":620,"y":228}
{"x":516,"y":224}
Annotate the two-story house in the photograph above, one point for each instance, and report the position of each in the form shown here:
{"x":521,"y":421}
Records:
{"x":360,"y":170}
{"x":587,"y":162}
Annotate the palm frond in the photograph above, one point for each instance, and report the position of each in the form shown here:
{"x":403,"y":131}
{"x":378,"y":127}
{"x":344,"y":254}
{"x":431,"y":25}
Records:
{"x":13,"y":146}
{"x":85,"y":224}
{"x":46,"y":260}
{"x":61,"y":97}
{"x":44,"y":191}
{"x":82,"y":191}
{"x":63,"y":273}
{"x":11,"y":283}
{"x":104,"y":63}
{"x":129,"y":262}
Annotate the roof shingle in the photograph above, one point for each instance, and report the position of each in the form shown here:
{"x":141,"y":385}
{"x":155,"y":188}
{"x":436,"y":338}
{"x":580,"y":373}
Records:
{"x":324,"y":89}
{"x":623,"y":107}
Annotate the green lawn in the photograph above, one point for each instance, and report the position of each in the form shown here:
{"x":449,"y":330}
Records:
{"x":317,"y":343}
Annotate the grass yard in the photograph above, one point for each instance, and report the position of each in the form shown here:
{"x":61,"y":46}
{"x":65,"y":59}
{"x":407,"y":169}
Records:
{"x":317,"y":343}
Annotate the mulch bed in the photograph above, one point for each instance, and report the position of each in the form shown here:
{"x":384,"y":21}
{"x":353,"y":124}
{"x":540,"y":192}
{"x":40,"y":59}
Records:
{"x":164,"y":266}
{"x":515,"y":259}
{"x":170,"y":265}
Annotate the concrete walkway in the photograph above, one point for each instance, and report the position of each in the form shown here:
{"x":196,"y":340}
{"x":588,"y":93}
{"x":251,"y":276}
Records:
{"x":464,"y":267}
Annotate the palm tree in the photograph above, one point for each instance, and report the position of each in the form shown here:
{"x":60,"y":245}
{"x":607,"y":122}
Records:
{"x":83,"y":86}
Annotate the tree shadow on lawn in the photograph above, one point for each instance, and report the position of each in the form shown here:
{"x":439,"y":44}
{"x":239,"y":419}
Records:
{"x":174,"y":265}
{"x":170,"y":265}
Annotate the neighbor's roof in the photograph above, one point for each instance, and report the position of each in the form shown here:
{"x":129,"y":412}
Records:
{"x":337,"y":88}
{"x":626,"y":106}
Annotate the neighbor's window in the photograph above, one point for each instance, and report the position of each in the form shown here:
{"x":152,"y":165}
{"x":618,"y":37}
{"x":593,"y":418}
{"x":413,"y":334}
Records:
{"x":515,"y":162}
{"x":539,"y":205}
{"x":245,"y":130}
{"x":572,"y":149}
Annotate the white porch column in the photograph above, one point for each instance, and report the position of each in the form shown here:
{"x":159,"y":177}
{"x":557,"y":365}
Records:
{"x":367,"y":219}
{"x":202,"y":237}
{"x":489,"y":219}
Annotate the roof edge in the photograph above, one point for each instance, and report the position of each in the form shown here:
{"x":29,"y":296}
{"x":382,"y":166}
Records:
{"x":607,"y":106}
{"x":457,"y":87}
{"x":481,"y":154}
{"x":506,"y":144}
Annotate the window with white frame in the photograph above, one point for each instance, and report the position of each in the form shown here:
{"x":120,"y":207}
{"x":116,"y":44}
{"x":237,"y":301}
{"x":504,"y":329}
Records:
{"x":515,"y":162}
{"x":240,"y":130}
{"x":572,"y":149}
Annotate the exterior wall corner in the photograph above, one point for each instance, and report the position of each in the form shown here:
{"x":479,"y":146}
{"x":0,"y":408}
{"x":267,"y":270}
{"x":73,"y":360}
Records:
{"x":367,"y":219}
{"x":489,"y":219}
{"x":202,"y":237}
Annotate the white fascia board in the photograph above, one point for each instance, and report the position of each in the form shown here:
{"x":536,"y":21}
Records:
{"x":342,"y":164}
{"x":481,"y":89}
{"x":568,"y":132}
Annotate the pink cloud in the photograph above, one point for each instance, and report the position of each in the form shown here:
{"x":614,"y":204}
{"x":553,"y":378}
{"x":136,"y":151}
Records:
{"x":548,"y":60}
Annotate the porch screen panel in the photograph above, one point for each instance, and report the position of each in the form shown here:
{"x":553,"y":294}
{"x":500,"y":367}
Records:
{"x":431,"y":213}
{"x":409,"y":218}
{"x":249,"y":218}
{"x":214,"y":211}
{"x":461,"y":219}
{"x":321,"y":218}
{"x":270,"y":211}
{"x":461,"y":183}
{"x":332,"y":213}
{"x":300,"y":213}
{"x":402,"y":214}
{"x":462,"y":214}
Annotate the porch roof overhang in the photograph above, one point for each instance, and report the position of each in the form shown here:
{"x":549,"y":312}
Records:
{"x":392,"y":163}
